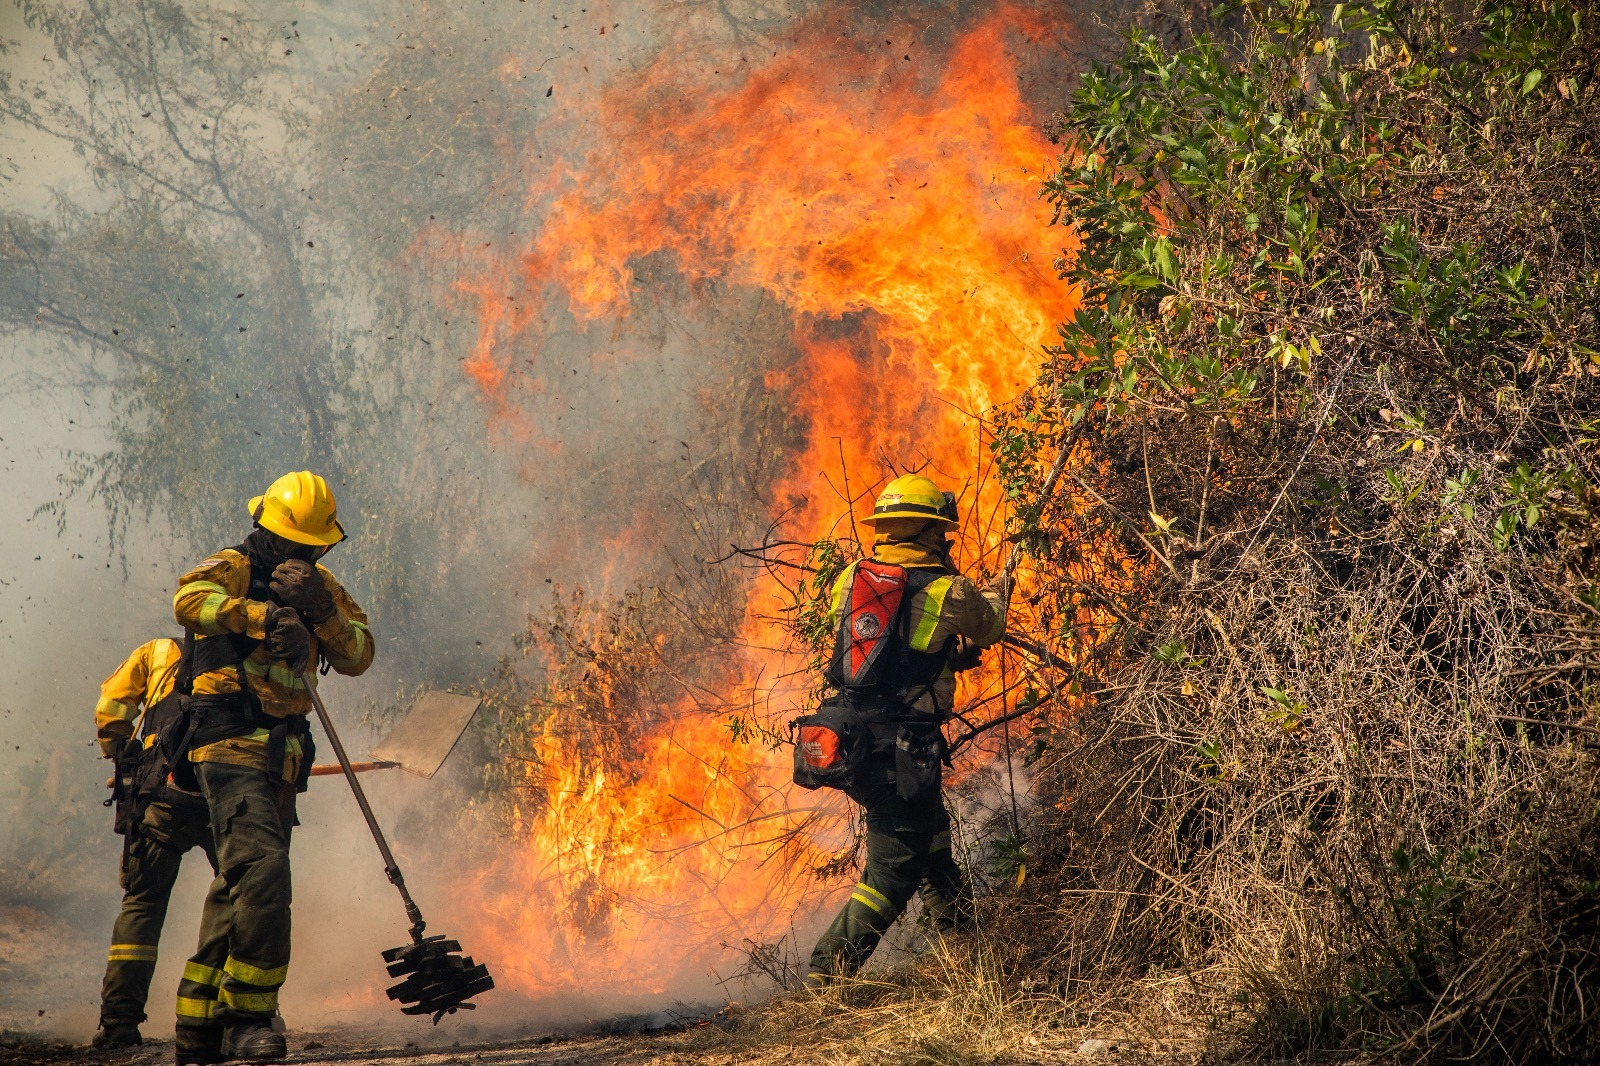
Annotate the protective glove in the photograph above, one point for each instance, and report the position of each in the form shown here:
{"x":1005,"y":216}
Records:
{"x":115,"y":754}
{"x":297,"y":584}
{"x":1001,"y":583}
{"x":288,"y":639}
{"x":965,"y":656}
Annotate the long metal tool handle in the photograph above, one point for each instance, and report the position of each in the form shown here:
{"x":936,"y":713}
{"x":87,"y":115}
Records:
{"x":390,"y":867}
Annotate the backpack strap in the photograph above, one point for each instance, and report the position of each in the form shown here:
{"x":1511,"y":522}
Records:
{"x":919,"y":670}
{"x":225,"y":649}
{"x":183,"y":684}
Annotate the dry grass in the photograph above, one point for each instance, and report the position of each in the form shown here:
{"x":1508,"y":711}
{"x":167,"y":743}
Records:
{"x":951,"y":1006}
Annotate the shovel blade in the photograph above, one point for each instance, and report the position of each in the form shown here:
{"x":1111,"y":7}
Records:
{"x":428,"y":733}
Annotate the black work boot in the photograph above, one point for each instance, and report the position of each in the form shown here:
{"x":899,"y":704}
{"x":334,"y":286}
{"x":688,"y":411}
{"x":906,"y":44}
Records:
{"x":199,"y":1046}
{"x":256,"y":1042}
{"x":116,"y":1035}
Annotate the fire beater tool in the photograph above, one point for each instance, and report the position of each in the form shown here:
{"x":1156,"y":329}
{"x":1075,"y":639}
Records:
{"x":439,"y":980}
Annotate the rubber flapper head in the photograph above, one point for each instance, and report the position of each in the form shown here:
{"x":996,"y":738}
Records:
{"x":438,"y":979}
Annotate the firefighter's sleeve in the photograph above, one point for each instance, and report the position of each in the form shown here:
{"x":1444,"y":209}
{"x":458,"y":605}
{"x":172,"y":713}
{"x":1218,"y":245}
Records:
{"x":345,"y":637}
{"x":980,"y":612}
{"x":955,"y":607}
{"x":210,"y":599}
{"x":117,"y":711}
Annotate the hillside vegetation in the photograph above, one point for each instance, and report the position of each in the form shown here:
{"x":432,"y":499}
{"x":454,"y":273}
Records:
{"x":1321,"y":553}
{"x":1334,"y":400}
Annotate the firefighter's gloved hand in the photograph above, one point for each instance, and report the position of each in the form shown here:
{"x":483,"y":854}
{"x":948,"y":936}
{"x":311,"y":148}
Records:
{"x":1001,"y":583}
{"x":115,"y":754}
{"x":297,"y":584}
{"x":966,"y":656}
{"x":288,"y":639}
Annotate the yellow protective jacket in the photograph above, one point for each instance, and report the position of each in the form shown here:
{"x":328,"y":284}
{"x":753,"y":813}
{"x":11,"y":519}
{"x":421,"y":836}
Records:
{"x":141,"y":682}
{"x":950,"y":606}
{"x":211,"y":601}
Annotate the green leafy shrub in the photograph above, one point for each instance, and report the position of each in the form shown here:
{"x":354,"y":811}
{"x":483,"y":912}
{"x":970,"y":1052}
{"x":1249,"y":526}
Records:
{"x":1326,"y":550}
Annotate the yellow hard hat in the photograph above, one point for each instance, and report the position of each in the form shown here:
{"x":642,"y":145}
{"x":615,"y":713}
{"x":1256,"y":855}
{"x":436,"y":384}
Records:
{"x":299,"y":507}
{"x":913,"y":496}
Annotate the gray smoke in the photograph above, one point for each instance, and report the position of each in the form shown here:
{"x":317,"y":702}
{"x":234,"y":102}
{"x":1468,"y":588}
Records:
{"x":489,"y":526}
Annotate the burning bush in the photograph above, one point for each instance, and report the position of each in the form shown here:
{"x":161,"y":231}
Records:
{"x":1336,"y":386}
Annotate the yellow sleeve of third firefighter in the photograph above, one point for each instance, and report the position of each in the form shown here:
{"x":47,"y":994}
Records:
{"x":141,"y":682}
{"x":121,"y":695}
{"x":211,"y":598}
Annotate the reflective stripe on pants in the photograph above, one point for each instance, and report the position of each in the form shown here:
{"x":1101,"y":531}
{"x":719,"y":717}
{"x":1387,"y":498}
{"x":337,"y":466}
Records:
{"x":150,"y":864}
{"x":244,"y":929}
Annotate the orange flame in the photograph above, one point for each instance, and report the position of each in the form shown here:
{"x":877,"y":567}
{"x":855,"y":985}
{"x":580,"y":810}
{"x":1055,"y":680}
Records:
{"x":897,"y":217}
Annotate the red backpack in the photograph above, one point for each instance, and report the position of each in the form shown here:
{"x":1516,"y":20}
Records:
{"x":867,"y":648}
{"x":872,"y":666}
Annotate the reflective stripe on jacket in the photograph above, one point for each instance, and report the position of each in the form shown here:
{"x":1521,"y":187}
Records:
{"x":212,"y":600}
{"x":143,"y":680}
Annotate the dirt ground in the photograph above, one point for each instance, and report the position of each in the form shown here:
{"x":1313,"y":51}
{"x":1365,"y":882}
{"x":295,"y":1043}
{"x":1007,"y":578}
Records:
{"x":670,"y":1049}
{"x":40,"y":958}
{"x":314,"y":1049}
{"x":46,"y":961}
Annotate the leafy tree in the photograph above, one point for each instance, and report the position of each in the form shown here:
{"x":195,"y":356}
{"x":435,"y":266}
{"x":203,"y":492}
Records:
{"x":186,"y":287}
{"x":211,"y":292}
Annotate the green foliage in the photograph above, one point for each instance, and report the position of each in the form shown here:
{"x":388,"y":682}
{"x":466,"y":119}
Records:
{"x":1288,"y":711}
{"x":1419,"y":917}
{"x":808,"y":618}
{"x":1253,"y":225}
{"x":1008,"y":858}
{"x":1209,"y":762}
{"x":1330,"y":400}
{"x":1201,"y":185}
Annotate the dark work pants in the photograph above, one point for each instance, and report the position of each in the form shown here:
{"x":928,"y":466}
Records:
{"x":908,"y":848}
{"x":150,"y":863}
{"x":243,"y":955}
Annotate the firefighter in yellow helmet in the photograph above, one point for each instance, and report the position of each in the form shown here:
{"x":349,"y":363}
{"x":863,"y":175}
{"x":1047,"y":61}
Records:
{"x":261,"y":615}
{"x":941,"y":619}
{"x":159,"y":823}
